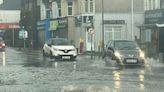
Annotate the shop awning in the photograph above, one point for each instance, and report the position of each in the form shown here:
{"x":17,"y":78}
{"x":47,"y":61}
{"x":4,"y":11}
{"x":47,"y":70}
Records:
{"x":150,"y":25}
{"x":147,"y":26}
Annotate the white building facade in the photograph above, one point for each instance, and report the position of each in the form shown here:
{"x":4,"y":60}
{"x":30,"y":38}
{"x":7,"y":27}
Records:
{"x":117,"y":21}
{"x":117,"y":26}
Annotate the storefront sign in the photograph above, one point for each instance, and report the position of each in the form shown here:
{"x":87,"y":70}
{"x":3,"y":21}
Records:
{"x":53,"y":25}
{"x":58,"y":23}
{"x":63,"y":22}
{"x":23,"y":34}
{"x":8,"y":25}
{"x":114,"y":21}
{"x":154,"y":16}
{"x":41,"y":25}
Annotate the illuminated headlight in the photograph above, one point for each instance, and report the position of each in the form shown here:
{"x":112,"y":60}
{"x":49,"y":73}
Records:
{"x":142,"y":55}
{"x":117,"y":54}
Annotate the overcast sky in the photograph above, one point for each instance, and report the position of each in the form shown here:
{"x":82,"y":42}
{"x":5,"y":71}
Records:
{"x":10,"y":5}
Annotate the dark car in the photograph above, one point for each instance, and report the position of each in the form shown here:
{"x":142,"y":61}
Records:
{"x":2,"y":45}
{"x":125,"y":52}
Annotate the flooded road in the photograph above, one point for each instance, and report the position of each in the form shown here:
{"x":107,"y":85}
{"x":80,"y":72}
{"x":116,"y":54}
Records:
{"x":29,"y":72}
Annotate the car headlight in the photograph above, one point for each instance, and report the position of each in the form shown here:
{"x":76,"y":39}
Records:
{"x":142,"y":55}
{"x":73,"y":49}
{"x":55,"y":49}
{"x":117,"y":54}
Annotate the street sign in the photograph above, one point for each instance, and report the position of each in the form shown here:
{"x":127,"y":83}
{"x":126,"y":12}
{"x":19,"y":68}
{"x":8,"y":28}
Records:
{"x":91,"y":31}
{"x":23,"y":34}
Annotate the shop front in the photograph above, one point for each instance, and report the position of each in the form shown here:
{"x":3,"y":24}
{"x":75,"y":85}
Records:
{"x":51,"y":28}
{"x":61,"y":28}
{"x":43,"y":31}
{"x":152,"y":33}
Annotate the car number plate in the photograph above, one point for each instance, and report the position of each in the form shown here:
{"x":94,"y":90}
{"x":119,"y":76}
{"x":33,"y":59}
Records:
{"x":65,"y":57}
{"x":131,"y":61}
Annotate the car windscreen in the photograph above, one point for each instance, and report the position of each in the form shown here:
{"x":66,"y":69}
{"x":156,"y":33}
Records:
{"x":125,"y":45}
{"x":61,"y":42}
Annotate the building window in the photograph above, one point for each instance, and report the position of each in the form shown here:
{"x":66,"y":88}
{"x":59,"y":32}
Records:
{"x":112,"y":33}
{"x":86,"y":5}
{"x":70,"y":8}
{"x":87,"y":19}
{"x":59,"y":8}
{"x":89,"y":6}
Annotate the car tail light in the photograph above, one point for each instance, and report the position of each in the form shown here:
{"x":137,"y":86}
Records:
{"x":3,"y":44}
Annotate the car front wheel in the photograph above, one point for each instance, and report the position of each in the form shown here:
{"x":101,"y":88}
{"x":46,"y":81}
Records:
{"x":51,"y":56}
{"x":44,"y":54}
{"x":73,"y":59}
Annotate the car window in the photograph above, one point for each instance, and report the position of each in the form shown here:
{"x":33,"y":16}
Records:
{"x":49,"y":41}
{"x":125,"y":45}
{"x":61,"y":42}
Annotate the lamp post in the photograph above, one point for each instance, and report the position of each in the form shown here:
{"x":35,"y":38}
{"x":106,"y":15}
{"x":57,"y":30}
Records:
{"x":132,"y":20}
{"x":103,"y":25}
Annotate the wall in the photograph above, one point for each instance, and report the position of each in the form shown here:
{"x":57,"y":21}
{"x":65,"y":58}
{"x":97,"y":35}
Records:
{"x":71,"y":28}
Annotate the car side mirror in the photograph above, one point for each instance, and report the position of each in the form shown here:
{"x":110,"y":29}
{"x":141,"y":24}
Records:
{"x":110,"y":48}
{"x":49,"y":44}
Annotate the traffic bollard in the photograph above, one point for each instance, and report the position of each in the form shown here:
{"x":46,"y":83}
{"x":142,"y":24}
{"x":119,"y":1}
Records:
{"x":4,"y":59}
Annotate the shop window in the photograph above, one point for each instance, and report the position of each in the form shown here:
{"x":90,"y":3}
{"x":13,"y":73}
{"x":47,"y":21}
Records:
{"x":87,"y":19}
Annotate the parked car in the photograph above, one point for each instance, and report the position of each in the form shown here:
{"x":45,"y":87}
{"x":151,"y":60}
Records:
{"x":2,"y":45}
{"x":59,"y":48}
{"x":125,"y":52}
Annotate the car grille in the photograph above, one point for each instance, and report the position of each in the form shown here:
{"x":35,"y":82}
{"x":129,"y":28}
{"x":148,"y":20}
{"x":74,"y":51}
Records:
{"x":66,"y":51}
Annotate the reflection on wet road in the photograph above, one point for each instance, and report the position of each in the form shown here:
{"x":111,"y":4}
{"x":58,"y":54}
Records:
{"x":82,"y":75}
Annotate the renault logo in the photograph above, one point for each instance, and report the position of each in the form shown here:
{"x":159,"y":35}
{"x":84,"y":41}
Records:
{"x":65,"y":50}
